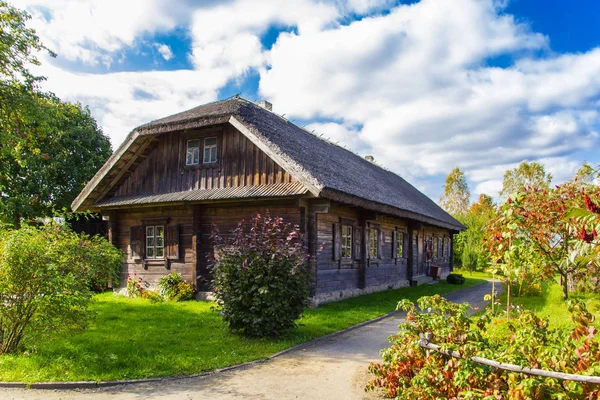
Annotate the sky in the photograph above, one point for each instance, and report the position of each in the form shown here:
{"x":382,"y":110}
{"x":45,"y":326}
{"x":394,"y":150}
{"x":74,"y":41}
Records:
{"x":423,"y":86}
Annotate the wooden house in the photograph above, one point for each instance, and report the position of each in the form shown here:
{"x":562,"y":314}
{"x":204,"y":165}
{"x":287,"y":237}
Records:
{"x":366,"y":228}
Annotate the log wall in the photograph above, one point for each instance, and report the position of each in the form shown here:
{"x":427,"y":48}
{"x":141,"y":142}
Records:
{"x":239,"y":163}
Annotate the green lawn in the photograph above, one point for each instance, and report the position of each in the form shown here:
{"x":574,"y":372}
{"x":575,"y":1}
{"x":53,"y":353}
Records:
{"x":133,"y":338}
{"x":474,"y":274}
{"x":550,"y":305}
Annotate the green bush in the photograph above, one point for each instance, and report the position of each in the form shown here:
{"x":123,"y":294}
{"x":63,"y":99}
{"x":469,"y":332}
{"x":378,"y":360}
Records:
{"x":470,"y":257}
{"x":455,"y":279}
{"x":174,"y":287}
{"x":261,"y":278}
{"x":47,"y":277}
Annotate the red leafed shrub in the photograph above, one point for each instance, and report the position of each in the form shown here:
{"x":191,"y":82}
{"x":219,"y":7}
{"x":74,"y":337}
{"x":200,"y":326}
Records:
{"x":261,"y":276}
{"x":409,"y":371}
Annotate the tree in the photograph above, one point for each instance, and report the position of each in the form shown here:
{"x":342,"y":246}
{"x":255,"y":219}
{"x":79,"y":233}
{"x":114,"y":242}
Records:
{"x":52,"y":149}
{"x":484,"y":206}
{"x":539,"y":218}
{"x":468,"y":250}
{"x":18,"y":47}
{"x":48,"y":148}
{"x":585,"y":175}
{"x":527,"y":175}
{"x":47,"y":277}
{"x":456,"y":197}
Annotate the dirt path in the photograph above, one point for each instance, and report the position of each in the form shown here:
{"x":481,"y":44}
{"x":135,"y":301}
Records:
{"x":335,"y":368}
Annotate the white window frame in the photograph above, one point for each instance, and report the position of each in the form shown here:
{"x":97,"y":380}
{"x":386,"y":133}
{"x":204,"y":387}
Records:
{"x":212,"y":148}
{"x":189,"y":161}
{"x":154,"y":247}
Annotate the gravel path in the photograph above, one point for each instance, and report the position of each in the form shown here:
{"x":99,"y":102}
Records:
{"x":334,"y":368}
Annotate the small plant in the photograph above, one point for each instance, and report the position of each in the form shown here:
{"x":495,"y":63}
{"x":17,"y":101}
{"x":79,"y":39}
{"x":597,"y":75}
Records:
{"x":136,"y":286}
{"x":455,"y":279}
{"x":174,"y":287}
{"x":153,"y":296}
{"x":261,"y":278}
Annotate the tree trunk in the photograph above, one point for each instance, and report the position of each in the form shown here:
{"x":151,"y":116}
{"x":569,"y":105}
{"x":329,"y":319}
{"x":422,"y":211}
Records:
{"x":17,"y":221}
{"x":564,"y":280}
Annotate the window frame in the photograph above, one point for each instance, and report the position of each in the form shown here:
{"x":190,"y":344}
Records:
{"x":346,"y":247}
{"x":154,"y":246}
{"x":214,"y":146}
{"x":399,"y":244}
{"x":187,"y":150}
{"x":373,"y":239}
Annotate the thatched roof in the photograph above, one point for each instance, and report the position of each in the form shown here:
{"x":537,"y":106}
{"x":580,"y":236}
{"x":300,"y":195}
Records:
{"x":326,"y":169}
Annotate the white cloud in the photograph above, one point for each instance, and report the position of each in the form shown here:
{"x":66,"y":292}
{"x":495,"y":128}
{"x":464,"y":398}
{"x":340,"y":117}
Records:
{"x":418,"y":81}
{"x":121,"y":101}
{"x":165,"y":51}
{"x":413,"y":86}
{"x":92,"y":31}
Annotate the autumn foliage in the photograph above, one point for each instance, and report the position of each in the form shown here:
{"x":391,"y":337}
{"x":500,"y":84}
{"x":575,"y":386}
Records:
{"x":543,"y":220}
{"x":409,"y":371}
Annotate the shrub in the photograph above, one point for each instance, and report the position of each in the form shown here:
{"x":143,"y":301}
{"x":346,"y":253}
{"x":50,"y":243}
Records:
{"x":470,"y":257}
{"x":153,"y":295}
{"x":261,"y":279}
{"x":174,"y":287}
{"x":410,"y":371}
{"x":455,"y":279}
{"x":47,"y":277}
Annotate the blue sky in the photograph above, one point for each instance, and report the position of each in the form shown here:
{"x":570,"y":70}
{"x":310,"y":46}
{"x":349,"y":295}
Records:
{"x":423,"y":86}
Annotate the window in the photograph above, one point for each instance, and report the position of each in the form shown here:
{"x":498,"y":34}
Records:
{"x":399,"y":244}
{"x":193,"y":152}
{"x":346,"y":241}
{"x":373,"y":243}
{"x":435,"y":247}
{"x":428,"y":247}
{"x":447,"y":247}
{"x":210,"y":150}
{"x":155,"y":241}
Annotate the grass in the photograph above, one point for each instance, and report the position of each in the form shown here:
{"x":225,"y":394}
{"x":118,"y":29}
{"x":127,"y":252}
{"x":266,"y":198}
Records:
{"x":551,"y":305}
{"x":133,"y":338}
{"x":474,"y":274}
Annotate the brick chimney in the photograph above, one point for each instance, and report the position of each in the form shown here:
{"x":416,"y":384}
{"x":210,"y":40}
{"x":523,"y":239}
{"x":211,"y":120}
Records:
{"x":266,"y":105}
{"x":370,"y":158}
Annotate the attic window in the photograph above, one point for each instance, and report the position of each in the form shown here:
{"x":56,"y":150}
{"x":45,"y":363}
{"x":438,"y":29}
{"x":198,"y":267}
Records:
{"x":193,"y":152}
{"x":210,"y":150}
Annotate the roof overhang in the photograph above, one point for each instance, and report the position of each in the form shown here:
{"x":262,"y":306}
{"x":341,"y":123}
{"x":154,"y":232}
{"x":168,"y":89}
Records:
{"x":386,"y":209}
{"x":279,"y":190}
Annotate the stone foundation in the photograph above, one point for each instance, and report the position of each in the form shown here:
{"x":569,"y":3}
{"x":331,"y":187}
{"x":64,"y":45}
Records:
{"x":322,"y":298}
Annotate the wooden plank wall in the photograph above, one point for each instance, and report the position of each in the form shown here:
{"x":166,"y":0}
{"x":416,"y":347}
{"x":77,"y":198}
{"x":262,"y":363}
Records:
{"x":227,"y":216}
{"x":239,"y":163}
{"x":344,"y":274}
{"x":156,"y":268}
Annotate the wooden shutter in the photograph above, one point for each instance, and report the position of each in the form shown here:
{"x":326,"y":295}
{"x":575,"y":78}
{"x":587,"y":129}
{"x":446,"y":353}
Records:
{"x":394,"y":244}
{"x":357,"y":242}
{"x":337,"y":241}
{"x":137,"y":242}
{"x":172,"y":242}
{"x":380,"y":243}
